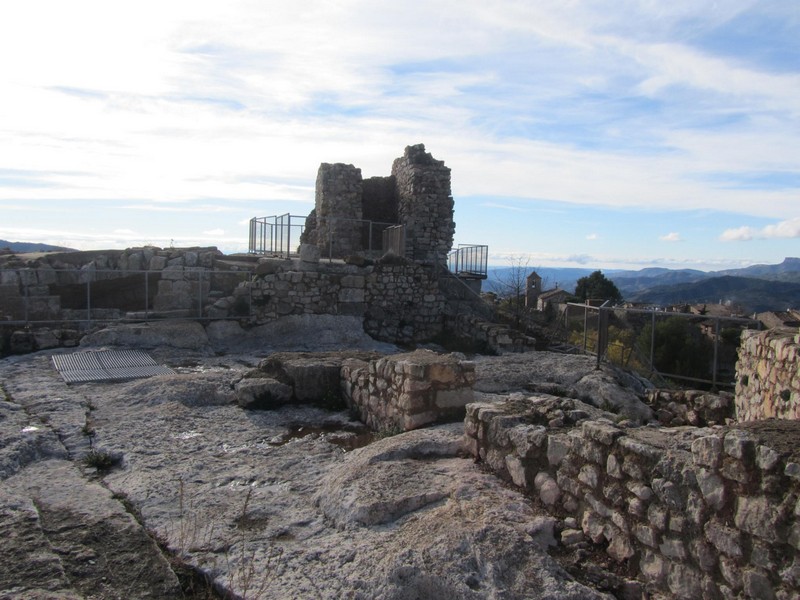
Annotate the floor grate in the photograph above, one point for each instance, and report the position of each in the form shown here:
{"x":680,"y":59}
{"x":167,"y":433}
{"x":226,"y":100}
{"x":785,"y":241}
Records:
{"x":107,"y":365}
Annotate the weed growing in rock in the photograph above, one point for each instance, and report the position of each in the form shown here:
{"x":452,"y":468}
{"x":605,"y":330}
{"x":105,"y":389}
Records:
{"x":100,"y":460}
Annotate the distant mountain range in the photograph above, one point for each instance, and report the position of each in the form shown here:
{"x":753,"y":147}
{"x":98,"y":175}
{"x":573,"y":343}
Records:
{"x":22,"y":247}
{"x":756,"y":288}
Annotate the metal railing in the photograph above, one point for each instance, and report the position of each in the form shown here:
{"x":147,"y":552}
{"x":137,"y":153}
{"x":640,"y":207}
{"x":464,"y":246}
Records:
{"x":275,"y":234}
{"x":469,"y":260}
{"x":629,"y":338}
{"x":279,"y":235}
{"x":394,"y":240}
{"x":31,"y":296}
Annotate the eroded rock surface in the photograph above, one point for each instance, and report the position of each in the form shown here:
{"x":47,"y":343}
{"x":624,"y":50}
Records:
{"x":269,"y":504}
{"x":574,"y":376}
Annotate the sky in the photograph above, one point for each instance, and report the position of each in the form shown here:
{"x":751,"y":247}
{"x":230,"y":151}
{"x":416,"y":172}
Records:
{"x":623,"y":134}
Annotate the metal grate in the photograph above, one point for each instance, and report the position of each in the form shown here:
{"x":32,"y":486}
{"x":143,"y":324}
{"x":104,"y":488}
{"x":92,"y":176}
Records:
{"x":107,"y":365}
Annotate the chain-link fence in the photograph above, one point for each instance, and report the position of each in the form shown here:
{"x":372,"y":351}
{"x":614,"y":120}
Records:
{"x":666,"y":347}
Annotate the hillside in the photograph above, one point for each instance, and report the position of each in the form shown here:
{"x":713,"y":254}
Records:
{"x":754,"y":295}
{"x":24,"y":247}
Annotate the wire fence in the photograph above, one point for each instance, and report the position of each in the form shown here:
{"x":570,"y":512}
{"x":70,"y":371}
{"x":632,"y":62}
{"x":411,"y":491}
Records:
{"x":666,"y":347}
{"x":45,"y":296}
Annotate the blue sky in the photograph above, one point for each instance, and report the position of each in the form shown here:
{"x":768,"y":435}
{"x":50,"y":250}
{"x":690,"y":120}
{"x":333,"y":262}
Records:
{"x":609,"y":135}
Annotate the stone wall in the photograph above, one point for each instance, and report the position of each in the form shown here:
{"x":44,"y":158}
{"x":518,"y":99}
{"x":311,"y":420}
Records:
{"x":488,"y":337}
{"x":768,"y":375}
{"x":691,"y":407}
{"x":399,"y":300}
{"x":425,"y":204}
{"x":338,"y":210}
{"x":700,"y":512}
{"x":408,"y":391}
{"x":417,"y":195}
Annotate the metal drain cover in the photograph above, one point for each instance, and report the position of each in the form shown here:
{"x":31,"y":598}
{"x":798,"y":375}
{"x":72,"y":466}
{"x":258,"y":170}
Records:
{"x":107,"y":365}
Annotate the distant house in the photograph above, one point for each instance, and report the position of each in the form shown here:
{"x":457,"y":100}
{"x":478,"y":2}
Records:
{"x":533,"y":287}
{"x":553,"y":298}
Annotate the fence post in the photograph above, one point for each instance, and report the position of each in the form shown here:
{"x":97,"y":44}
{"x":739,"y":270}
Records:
{"x":653,"y":342}
{"x":200,"y":294}
{"x":585,"y":324}
{"x":146,"y":296}
{"x":89,"y":298}
{"x":716,"y":351}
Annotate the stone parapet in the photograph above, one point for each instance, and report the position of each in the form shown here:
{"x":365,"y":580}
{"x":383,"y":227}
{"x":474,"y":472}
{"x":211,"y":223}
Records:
{"x":768,"y":375}
{"x":408,"y":391}
{"x":695,"y":512}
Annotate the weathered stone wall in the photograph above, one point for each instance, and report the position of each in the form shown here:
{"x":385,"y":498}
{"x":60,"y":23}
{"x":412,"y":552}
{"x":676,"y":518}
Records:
{"x":161,"y":283}
{"x":768,"y":375}
{"x":700,"y":512}
{"x":691,"y":407}
{"x":338,"y":210}
{"x":399,"y":300}
{"x":408,"y":391}
{"x":425,"y":204}
{"x":486,"y":336}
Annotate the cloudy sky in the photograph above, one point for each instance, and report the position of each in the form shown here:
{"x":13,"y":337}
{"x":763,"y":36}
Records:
{"x":594,"y":133}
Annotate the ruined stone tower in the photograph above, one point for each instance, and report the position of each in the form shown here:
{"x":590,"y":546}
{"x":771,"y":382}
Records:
{"x":416,"y":195}
{"x":425,"y":205}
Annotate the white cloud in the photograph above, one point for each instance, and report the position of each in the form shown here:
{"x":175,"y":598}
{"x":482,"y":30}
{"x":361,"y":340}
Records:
{"x":671,"y":237}
{"x":592,"y":236}
{"x":783,"y":230}
{"x":574,"y":102}
{"x":214,"y":232}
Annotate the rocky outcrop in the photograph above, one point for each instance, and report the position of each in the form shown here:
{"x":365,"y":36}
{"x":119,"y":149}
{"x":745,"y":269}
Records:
{"x":265,"y":503}
{"x":571,"y":376}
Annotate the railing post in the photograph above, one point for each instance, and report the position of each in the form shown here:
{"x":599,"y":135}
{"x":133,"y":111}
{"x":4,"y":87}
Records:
{"x":200,"y":294}
{"x":89,"y":298}
{"x":653,"y":342}
{"x":146,"y":296}
{"x":585,"y":325}
{"x":716,"y":353}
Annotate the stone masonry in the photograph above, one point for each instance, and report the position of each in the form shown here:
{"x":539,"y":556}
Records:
{"x":408,"y":391}
{"x":399,"y":300}
{"x":425,"y":204}
{"x":338,"y":209}
{"x":416,"y":195}
{"x":768,"y":375}
{"x":693,"y":512}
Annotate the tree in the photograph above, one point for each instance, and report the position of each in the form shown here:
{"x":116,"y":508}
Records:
{"x":513,"y":285}
{"x":597,"y":287}
{"x":680,"y":348}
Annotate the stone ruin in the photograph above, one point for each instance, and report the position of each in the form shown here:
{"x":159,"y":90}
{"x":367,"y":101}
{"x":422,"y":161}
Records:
{"x":416,"y":195}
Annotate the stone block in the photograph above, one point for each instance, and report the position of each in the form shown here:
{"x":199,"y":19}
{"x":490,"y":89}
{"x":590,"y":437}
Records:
{"x":646,"y":535}
{"x":547,"y":488}
{"x":712,"y":487}
{"x":262,"y":393}
{"x":758,"y":517}
{"x":558,"y":446}
{"x":707,"y":451}
{"x":684,"y":582}
{"x":604,"y":433}
{"x":725,"y":539}
{"x":757,"y":585}
{"x":653,"y":568}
